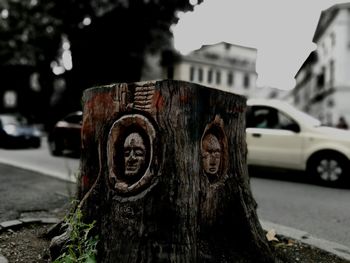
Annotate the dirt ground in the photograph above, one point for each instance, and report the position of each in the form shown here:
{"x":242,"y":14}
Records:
{"x":28,"y":244}
{"x":293,"y":251}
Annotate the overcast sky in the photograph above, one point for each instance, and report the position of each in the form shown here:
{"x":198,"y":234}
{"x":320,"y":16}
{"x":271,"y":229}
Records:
{"x":281,"y":31}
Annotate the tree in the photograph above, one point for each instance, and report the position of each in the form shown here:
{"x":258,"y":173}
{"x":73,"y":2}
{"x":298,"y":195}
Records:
{"x":164,"y":175}
{"x":28,"y":32}
{"x":28,"y":43}
{"x":108,"y":39}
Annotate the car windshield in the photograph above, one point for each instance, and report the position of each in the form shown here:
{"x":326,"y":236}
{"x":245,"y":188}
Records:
{"x":303,"y":116}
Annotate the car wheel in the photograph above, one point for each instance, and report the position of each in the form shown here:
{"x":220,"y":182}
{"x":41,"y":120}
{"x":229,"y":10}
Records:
{"x":55,"y":148}
{"x":329,"y":169}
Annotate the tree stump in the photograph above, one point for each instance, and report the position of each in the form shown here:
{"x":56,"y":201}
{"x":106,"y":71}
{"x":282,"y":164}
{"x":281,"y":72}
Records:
{"x":164,"y":174}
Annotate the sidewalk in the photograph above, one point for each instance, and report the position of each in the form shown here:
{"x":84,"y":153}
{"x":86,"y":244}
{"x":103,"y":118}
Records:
{"x":29,"y":196}
{"x":305,"y":237}
{"x":27,"y":193}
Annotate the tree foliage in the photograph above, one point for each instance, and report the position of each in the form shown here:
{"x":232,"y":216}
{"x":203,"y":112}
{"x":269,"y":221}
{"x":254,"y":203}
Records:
{"x":28,"y":33}
{"x":108,"y":40}
{"x":101,"y":33}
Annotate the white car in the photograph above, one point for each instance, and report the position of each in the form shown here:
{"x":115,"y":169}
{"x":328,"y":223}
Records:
{"x":278,"y":135}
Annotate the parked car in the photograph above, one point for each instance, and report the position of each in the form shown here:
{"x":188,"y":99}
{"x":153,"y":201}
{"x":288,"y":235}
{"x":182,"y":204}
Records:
{"x":65,"y":136}
{"x":17,"y":132}
{"x":279,"y":135}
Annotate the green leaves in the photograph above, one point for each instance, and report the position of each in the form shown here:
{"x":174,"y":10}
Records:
{"x":81,"y":247}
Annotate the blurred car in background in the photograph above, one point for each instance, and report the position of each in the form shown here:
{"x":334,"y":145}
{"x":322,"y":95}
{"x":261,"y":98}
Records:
{"x":17,"y":132}
{"x":65,"y":136}
{"x":278,"y":135}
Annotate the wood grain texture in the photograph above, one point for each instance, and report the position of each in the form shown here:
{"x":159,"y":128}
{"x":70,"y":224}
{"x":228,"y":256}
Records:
{"x":183,"y":212}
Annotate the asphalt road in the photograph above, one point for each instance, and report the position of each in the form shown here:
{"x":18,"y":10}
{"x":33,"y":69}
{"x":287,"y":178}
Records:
{"x":323,"y":212}
{"x":287,"y":200}
{"x":30,"y":194}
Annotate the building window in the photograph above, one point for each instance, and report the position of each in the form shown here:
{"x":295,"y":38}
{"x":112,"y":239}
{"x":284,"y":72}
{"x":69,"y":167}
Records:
{"x":321,"y":78}
{"x":210,"y":76}
{"x":246,"y":81}
{"x":331,"y":73}
{"x":218,"y":77}
{"x":330,"y":103}
{"x":230,"y":79}
{"x":191,"y":73}
{"x":333,"y":39}
{"x":200,"y":75}
{"x":320,"y":81}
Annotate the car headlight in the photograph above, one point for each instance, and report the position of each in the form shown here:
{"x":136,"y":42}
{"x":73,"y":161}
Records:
{"x":10,"y":129}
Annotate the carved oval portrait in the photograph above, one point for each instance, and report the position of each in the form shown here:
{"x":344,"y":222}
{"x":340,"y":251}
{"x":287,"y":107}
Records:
{"x":214,"y":151}
{"x":130,"y":154}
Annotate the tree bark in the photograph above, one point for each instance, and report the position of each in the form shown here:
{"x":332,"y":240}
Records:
{"x":164,"y":174}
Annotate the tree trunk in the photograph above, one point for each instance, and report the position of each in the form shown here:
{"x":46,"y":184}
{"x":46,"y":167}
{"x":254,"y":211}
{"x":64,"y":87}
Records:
{"x":163,"y":172}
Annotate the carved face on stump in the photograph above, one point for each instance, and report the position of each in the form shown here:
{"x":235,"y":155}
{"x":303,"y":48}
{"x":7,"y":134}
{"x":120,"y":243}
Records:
{"x":134,"y":155}
{"x":211,"y":154}
{"x":130,"y":154}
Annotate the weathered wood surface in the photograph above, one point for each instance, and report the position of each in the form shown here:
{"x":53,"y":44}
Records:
{"x":163,"y":172}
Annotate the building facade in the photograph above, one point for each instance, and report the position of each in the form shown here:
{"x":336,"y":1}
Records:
{"x":222,"y":66}
{"x":323,"y":81}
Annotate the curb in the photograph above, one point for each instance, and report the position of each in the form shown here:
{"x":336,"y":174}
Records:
{"x":26,"y":221}
{"x":22,"y":222}
{"x":38,"y":169}
{"x":305,"y":237}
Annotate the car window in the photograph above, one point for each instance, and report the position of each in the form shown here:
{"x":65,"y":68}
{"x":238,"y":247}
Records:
{"x":302,"y":116}
{"x":285,"y":122}
{"x":268,"y":118}
{"x":262,"y":117}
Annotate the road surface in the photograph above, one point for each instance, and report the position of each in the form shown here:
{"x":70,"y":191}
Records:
{"x":323,"y":212}
{"x":40,"y":160}
{"x":30,"y":194}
